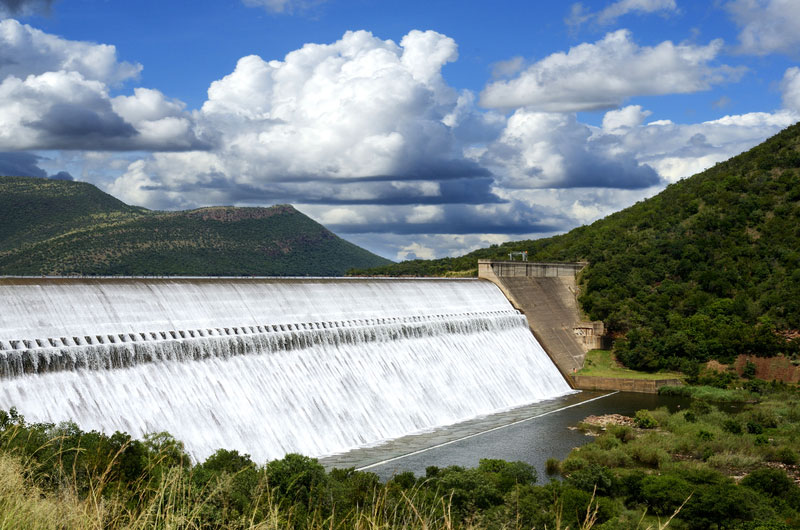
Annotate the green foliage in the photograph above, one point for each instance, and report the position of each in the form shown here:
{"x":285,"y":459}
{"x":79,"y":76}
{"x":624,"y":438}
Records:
{"x":645,"y":420}
{"x":732,"y":426}
{"x":706,"y":269}
{"x":552,"y":466}
{"x":594,"y":477}
{"x":664,"y":493}
{"x":749,"y":370}
{"x":629,"y":477}
{"x":623,"y":433}
{"x":703,"y":394}
{"x":773,"y":483}
{"x":65,"y":228}
{"x":786,"y":456}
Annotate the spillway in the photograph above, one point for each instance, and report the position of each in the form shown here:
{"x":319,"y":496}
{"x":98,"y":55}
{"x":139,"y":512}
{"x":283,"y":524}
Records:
{"x":266,"y":366}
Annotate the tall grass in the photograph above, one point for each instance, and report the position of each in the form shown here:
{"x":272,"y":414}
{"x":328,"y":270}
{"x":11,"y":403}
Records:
{"x":173,"y":503}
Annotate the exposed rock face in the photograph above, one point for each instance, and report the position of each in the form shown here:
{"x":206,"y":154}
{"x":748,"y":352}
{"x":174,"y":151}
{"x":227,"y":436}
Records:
{"x":232,"y":214}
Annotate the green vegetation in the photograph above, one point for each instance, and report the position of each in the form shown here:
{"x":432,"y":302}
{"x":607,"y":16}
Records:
{"x":603,"y":363}
{"x":57,"y":476}
{"x":704,"y":452}
{"x":706,"y":269}
{"x":711,"y":393}
{"x":62,"y":228}
{"x":705,"y":467}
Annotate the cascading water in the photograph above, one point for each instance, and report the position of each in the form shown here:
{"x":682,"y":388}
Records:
{"x":266,"y":366}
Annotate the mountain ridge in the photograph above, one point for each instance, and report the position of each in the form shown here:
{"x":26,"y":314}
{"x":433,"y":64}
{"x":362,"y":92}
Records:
{"x":64,"y":228}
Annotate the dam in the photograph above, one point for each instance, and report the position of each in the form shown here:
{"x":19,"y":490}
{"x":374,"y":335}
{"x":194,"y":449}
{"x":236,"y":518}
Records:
{"x":266,"y":366}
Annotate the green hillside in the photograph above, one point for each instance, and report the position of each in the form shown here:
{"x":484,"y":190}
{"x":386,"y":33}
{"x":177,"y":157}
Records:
{"x":61,"y":227}
{"x":707,"y":269}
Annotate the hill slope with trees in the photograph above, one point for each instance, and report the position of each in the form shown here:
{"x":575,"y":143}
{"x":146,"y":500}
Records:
{"x":707,"y":269}
{"x":60,"y":228}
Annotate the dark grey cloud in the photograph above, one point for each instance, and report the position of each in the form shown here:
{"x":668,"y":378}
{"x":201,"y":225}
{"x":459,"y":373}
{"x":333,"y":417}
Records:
{"x":449,"y":227}
{"x":61,"y":175}
{"x":25,"y":7}
{"x":22,"y":164}
{"x":467,"y":219}
{"x":380,"y":190}
{"x":601,"y":172}
{"x":430,"y":170}
{"x":66,"y":126}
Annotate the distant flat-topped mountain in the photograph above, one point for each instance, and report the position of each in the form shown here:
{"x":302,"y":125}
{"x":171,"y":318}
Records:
{"x":56,"y":227}
{"x":707,"y":269}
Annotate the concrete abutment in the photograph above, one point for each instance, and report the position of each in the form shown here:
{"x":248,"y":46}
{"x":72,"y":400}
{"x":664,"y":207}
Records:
{"x":546,"y":293}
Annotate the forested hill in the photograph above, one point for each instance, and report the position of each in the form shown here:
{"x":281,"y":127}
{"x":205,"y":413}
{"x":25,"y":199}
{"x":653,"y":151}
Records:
{"x":62,"y":227}
{"x":708,"y":268}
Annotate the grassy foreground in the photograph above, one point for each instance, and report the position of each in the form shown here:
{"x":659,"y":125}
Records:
{"x":697,"y":468}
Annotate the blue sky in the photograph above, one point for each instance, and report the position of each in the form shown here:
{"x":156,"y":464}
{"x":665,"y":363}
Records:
{"x":415,"y":129}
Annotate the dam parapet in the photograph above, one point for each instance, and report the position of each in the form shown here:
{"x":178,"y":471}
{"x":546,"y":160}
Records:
{"x":546,"y":292}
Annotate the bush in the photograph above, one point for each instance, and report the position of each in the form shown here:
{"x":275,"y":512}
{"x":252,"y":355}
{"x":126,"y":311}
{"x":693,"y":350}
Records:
{"x":593,"y":477}
{"x":786,"y":456}
{"x":552,"y":466}
{"x":704,"y":435}
{"x":760,"y":440}
{"x":650,"y":456}
{"x":623,"y":433}
{"x":607,"y":442}
{"x":749,"y":370}
{"x":645,"y":420}
{"x":573,"y":463}
{"x":505,"y":475}
{"x":754,"y":428}
{"x":664,"y":493}
{"x":720,"y":502}
{"x":732,"y":426}
{"x":297,"y":478}
{"x":770,"y":482}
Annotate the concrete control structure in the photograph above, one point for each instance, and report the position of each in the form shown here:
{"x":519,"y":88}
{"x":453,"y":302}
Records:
{"x":547,"y":294}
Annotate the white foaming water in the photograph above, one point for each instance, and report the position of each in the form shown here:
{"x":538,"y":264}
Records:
{"x":266,"y":366}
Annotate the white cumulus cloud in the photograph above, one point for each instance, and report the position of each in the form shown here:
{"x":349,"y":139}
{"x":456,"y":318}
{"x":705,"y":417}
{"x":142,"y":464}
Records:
{"x":579,"y":14}
{"x":676,"y":151}
{"x":603,"y":74}
{"x":371,"y":115}
{"x":790,"y":88}
{"x":28,"y":51}
{"x":554,"y":150}
{"x":618,"y":121}
{"x":767,"y":26}
{"x":54,"y":94}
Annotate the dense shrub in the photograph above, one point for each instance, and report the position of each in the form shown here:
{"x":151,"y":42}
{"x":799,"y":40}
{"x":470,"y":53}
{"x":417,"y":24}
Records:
{"x":645,"y":420}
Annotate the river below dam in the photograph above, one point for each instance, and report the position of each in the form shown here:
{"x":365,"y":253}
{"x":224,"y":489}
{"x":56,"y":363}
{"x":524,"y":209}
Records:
{"x":531,"y":434}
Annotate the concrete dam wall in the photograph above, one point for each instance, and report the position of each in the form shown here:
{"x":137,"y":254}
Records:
{"x":266,"y":366}
{"x":546,"y":294}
